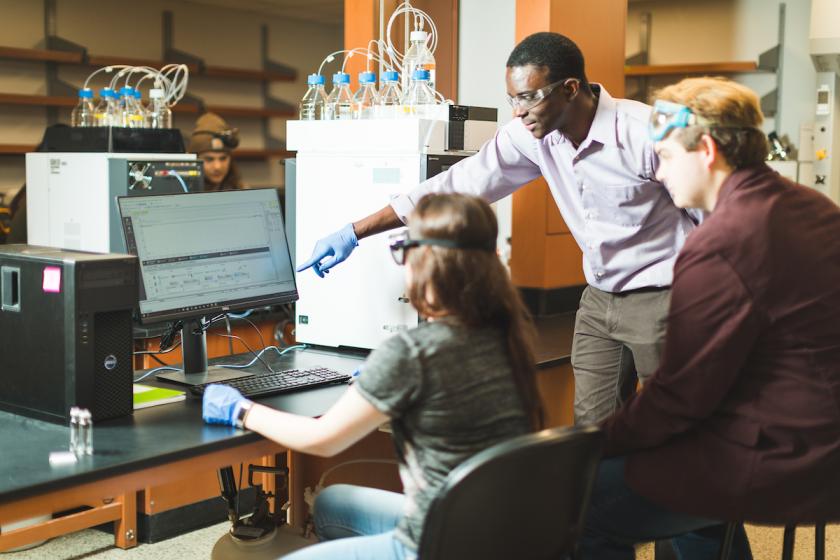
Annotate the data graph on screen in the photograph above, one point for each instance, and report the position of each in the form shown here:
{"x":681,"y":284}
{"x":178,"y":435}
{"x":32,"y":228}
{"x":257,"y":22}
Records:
{"x":208,"y":251}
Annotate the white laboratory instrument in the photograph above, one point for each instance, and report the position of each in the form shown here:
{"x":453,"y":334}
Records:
{"x":824,"y":47}
{"x":71,"y":197}
{"x":346,"y":170}
{"x":826,"y":162}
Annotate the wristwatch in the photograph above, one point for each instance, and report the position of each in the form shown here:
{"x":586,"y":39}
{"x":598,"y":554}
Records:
{"x":242,"y":413}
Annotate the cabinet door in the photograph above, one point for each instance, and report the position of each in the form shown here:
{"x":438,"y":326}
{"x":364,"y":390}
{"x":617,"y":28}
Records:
{"x":543,"y":252}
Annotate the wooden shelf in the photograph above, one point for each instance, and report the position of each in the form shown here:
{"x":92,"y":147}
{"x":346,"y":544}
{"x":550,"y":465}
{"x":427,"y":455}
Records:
{"x":16,"y":149}
{"x":703,"y":68}
{"x":225,"y":110}
{"x":37,"y":100}
{"x":225,"y":72}
{"x":41,"y":55}
{"x":105,"y":60}
{"x":69,"y":57}
{"x":249,"y":154}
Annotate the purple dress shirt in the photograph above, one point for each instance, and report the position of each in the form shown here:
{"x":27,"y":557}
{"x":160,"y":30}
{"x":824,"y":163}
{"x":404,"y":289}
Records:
{"x":624,"y":221}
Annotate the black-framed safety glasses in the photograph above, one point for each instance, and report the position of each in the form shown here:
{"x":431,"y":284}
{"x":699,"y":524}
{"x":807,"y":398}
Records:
{"x":400,"y":243}
{"x":529,"y":100}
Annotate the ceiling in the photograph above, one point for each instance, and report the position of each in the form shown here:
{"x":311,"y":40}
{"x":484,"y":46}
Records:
{"x":322,"y":11}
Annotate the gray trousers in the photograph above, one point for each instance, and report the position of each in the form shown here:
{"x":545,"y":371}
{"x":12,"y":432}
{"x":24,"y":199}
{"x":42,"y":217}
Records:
{"x":618,"y":337}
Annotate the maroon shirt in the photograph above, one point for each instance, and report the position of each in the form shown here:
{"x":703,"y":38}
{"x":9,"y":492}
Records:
{"x":742,"y":419}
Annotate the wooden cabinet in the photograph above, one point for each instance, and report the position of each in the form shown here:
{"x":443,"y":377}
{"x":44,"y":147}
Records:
{"x":544,"y":255}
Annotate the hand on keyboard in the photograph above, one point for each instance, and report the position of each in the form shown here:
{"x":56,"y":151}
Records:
{"x":221,"y":404}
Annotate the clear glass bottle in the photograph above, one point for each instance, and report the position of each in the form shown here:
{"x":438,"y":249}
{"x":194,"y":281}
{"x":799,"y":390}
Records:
{"x":158,"y":115}
{"x":312,"y":104}
{"x":82,"y":114}
{"x":340,"y":100}
{"x":418,"y":56}
{"x":124,"y":101}
{"x":390,"y":95}
{"x":86,"y":431}
{"x":102,"y":114}
{"x":366,"y":99}
{"x":419,"y":96}
{"x":141,"y":112}
{"x":114,"y":109}
{"x":329,"y":102}
{"x":131,"y":114}
{"x":74,"y":430}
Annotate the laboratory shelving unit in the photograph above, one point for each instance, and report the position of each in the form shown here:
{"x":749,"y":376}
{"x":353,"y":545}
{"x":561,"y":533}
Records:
{"x":61,"y":95}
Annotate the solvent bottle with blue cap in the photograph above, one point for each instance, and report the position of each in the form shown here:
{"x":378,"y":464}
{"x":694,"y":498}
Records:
{"x":366,"y":99}
{"x":103,"y":114}
{"x":390,"y":95}
{"x":419,"y":96}
{"x":340,"y":100}
{"x":312,"y":104}
{"x":82,"y":114}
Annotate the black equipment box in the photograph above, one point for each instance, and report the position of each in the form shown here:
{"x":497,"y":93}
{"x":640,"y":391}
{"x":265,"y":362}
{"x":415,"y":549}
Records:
{"x":63,"y":138}
{"x":66,"y":332}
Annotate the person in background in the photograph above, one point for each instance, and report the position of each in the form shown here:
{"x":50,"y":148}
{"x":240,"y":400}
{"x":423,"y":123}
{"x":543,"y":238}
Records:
{"x":17,"y":221}
{"x":458,"y":383}
{"x":741,"y":422}
{"x":214,"y":141}
{"x":17,"y":206}
{"x":599,"y":163}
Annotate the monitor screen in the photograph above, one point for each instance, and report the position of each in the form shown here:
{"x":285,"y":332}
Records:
{"x":208,"y":253}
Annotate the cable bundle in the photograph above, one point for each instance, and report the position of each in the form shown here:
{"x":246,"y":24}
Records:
{"x":171,"y":78}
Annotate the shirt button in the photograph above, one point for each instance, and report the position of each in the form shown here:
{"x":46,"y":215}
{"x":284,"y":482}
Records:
{"x":599,"y":274}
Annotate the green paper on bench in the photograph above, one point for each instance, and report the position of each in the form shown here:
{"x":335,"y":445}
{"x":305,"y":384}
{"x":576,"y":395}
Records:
{"x":146,"y":396}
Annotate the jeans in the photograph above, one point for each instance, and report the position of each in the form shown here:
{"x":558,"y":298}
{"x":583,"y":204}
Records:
{"x":618,"y":519}
{"x":618,"y":337}
{"x":354,"y":522}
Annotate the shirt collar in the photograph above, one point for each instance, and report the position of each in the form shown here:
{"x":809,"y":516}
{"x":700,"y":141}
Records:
{"x":738,"y":178}
{"x":603,"y":129}
{"x":604,"y":126}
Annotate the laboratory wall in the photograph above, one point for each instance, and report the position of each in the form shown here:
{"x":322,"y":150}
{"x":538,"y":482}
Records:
{"x":687,"y":31}
{"x":485,"y":39}
{"x":221,"y":36}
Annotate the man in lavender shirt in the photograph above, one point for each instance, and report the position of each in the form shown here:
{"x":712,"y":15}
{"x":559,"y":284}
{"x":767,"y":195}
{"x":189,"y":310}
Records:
{"x":595,"y":153}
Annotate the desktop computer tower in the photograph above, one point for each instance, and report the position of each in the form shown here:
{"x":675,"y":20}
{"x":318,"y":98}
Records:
{"x":66,"y":332}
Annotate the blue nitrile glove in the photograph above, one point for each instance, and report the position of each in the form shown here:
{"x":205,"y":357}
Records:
{"x":339,"y":245}
{"x":221,"y":404}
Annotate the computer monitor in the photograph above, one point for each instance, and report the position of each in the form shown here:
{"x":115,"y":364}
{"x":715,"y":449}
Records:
{"x":204,"y":254}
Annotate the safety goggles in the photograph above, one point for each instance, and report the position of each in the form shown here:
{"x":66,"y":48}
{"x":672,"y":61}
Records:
{"x":526,"y":101}
{"x":400,"y":243}
{"x":667,"y":116}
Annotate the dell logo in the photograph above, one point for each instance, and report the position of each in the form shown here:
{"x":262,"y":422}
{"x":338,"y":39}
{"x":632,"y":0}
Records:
{"x":110,"y":362}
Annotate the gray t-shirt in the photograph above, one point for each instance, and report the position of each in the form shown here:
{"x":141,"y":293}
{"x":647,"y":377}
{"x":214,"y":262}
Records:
{"x":449,"y":393}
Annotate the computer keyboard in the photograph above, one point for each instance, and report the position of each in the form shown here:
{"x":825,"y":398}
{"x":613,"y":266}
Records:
{"x":280,"y":382}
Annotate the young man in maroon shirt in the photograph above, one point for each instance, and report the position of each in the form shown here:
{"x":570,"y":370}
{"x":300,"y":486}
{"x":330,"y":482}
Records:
{"x":741,"y":422}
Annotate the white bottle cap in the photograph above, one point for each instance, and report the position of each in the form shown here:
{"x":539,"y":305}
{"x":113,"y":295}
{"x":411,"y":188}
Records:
{"x":418,"y":35}
{"x":156,"y":93}
{"x":59,"y":458}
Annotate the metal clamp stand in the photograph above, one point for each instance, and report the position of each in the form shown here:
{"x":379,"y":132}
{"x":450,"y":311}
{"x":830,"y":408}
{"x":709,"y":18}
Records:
{"x":253,"y":535}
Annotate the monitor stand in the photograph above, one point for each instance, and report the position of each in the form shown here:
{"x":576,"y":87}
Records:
{"x":194,"y":351}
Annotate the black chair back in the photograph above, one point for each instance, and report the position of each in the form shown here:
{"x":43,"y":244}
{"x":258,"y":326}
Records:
{"x":522,"y":498}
